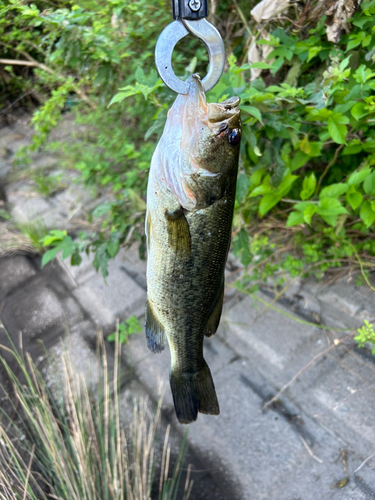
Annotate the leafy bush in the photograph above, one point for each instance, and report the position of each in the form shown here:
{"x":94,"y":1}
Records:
{"x":307,"y":151}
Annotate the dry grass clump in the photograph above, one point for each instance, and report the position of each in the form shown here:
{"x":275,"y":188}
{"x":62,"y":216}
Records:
{"x":81,"y":451}
{"x":13,"y":242}
{"x":20,"y":237}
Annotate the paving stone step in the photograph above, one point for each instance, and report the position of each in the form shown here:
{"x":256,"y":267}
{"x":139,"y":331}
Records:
{"x":262,"y":451}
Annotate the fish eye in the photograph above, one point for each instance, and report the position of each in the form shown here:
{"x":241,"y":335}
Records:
{"x":234,"y":136}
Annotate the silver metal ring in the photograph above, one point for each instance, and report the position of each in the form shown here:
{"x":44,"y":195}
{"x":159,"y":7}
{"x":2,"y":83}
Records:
{"x":167,"y":41}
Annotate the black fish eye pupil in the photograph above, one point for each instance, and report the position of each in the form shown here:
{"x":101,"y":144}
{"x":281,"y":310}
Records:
{"x":234,"y":136}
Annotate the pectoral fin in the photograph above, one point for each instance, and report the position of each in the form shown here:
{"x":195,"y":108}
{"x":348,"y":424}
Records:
{"x":214,"y":319}
{"x":155,"y":334}
{"x":179,"y":238}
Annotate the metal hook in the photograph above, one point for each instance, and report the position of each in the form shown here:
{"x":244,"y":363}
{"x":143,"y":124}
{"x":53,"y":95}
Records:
{"x":167,"y":41}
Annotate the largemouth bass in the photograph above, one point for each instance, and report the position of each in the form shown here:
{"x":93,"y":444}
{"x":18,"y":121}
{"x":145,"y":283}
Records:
{"x":190,"y":201}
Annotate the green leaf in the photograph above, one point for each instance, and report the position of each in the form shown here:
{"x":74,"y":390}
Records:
{"x":54,"y":236}
{"x":315,"y":148}
{"x":308,"y":186}
{"x":344,"y":63}
{"x":113,"y":247}
{"x":260,"y":65}
{"x":298,"y":160}
{"x":281,"y":52}
{"x":352,"y":149}
{"x":309,"y":212}
{"x":50,"y":255}
{"x":267,"y":202}
{"x":302,"y":205}
{"x":369,"y":184}
{"x":359,"y":110}
{"x":344,"y":107}
{"x":274,"y":88}
{"x":286,"y":184}
{"x":241,"y":246}
{"x":330,"y":207}
{"x":367,"y":214}
{"x":353,"y":197}
{"x":330,"y":219}
{"x":140,"y":75}
{"x":102,"y":209}
{"x":67,"y":247}
{"x":249,"y":137}
{"x":133,"y":325}
{"x":333,"y":191}
{"x":279,"y":169}
{"x":253,"y":112}
{"x":362,"y":74}
{"x":318,"y":114}
{"x":264,"y":188}
{"x":369,"y":145}
{"x":256,"y":177}
{"x":352,"y":44}
{"x":357,"y":177}
{"x":243,"y":184}
{"x":337,"y":131}
{"x":305,"y":145}
{"x":259,"y":190}
{"x":76,"y":259}
{"x":294,"y":219}
{"x":314,"y":51}
{"x":124,"y":95}
{"x":361,"y":21}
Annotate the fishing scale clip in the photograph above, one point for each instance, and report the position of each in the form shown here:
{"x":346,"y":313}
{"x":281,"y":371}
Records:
{"x":189,"y":17}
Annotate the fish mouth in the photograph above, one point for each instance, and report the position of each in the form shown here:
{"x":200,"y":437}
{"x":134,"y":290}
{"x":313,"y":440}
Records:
{"x":196,"y":103}
{"x":217,"y":116}
{"x":224,"y":115}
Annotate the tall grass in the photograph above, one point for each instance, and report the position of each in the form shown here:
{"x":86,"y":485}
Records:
{"x":80,"y":448}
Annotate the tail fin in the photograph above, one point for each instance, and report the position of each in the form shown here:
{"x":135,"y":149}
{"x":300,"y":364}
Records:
{"x":193,"y":393}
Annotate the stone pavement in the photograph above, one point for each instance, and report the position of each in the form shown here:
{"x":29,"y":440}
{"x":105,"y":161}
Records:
{"x":307,"y":445}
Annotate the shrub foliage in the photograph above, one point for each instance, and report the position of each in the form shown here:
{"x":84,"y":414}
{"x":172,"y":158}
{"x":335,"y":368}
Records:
{"x":308,"y":147}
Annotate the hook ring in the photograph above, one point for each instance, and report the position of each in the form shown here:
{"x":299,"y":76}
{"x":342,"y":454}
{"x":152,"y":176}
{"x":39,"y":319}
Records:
{"x":167,"y":41}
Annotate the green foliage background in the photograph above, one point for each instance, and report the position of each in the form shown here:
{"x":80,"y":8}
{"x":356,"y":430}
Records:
{"x":306,"y":189}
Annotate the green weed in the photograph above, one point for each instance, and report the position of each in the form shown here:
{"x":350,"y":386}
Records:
{"x":125,"y":329}
{"x":366,"y":334}
{"x":48,"y":184}
{"x":308,"y":144}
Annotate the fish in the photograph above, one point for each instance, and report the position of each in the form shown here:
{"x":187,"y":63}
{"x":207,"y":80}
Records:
{"x":190,"y":202}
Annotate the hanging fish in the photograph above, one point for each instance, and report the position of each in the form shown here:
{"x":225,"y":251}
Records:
{"x":190,"y":201}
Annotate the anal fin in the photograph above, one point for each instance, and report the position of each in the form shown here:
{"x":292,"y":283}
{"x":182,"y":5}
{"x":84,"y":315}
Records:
{"x":155,"y":334}
{"x":214,"y":319}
